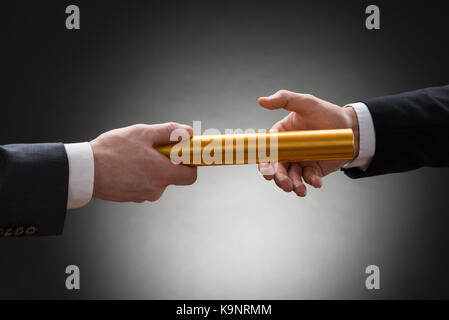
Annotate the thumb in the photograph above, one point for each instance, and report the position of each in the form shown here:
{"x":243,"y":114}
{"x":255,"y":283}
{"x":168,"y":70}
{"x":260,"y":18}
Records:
{"x":291,"y":101}
{"x":170,"y":132}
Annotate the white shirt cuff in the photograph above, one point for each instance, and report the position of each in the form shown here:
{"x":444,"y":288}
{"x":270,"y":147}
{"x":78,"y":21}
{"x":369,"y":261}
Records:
{"x":367,"y":137}
{"x":81,"y":174}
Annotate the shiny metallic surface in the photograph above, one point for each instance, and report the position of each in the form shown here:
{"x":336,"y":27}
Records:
{"x":249,"y":148}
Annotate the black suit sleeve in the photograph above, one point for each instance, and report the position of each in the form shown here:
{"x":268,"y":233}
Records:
{"x":412,"y":131}
{"x":33,"y":189}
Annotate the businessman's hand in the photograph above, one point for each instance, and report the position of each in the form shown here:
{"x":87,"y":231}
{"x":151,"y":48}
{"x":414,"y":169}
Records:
{"x":128,"y":168}
{"x":307,"y":113}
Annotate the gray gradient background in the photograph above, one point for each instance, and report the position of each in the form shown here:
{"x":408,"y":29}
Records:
{"x":232,"y":235}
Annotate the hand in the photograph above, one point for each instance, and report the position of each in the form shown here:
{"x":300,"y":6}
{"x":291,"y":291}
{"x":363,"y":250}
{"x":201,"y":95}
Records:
{"x":128,"y":168}
{"x":307,"y":113}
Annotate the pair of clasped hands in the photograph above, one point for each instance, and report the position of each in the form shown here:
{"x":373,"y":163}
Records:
{"x":129,"y":168}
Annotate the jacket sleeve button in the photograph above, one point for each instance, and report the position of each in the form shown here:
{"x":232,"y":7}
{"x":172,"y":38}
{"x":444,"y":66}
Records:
{"x":30,"y":230}
{"x":19,"y":231}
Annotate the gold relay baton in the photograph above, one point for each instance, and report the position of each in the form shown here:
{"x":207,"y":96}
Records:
{"x":247,"y":148}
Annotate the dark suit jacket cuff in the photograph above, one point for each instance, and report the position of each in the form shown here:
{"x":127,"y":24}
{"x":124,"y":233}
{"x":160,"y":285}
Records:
{"x":33,"y":189}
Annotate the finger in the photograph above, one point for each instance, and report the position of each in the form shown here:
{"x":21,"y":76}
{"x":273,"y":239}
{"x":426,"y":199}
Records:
{"x":181,"y":175}
{"x":169,"y":132}
{"x":266,"y":170}
{"x":291,"y":101}
{"x":155,"y":194}
{"x":281,"y":177}
{"x":294,"y":172}
{"x":280,"y":125}
{"x":312,"y":176}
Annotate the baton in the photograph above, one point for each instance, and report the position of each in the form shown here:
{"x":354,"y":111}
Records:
{"x":247,"y":148}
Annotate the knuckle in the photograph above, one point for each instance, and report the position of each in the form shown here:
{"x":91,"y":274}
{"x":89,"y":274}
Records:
{"x":154,"y":196}
{"x":164,"y":181}
{"x":308,"y":97}
{"x":139,"y":126}
{"x":283,"y":92}
{"x":142,"y":129}
{"x":172,"y":125}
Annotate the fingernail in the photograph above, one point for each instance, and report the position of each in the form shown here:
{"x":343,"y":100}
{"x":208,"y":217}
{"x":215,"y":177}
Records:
{"x":266,"y":171}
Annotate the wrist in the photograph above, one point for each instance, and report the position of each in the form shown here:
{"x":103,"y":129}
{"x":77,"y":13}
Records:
{"x":353,"y":123}
{"x":96,"y":193}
